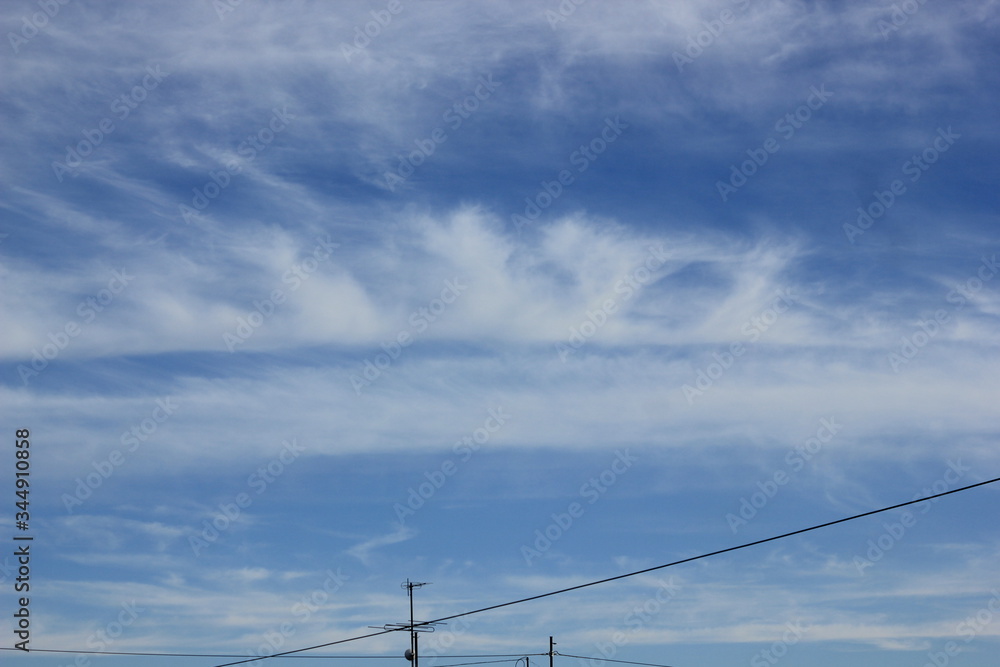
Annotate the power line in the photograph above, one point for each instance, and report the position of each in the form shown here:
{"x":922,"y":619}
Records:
{"x":603,"y":659}
{"x":484,"y":662}
{"x":512,"y":656}
{"x":489,"y":655}
{"x":309,"y":648}
{"x":200,"y":655}
{"x":637,"y":572}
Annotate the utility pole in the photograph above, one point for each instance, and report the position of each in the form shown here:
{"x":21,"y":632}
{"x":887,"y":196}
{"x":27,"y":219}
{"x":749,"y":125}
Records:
{"x":412,"y":626}
{"x":552,"y":650}
{"x":409,"y":586}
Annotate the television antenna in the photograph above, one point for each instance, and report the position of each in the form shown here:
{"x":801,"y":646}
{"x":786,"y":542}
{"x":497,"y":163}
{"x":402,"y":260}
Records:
{"x":415,"y":628}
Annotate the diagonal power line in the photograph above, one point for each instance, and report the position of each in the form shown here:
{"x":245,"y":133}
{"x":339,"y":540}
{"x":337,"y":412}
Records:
{"x":631,"y":574}
{"x":624,"y":662}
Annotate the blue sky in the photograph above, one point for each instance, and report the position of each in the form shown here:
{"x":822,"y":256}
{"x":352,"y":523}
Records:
{"x":303,"y":299}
